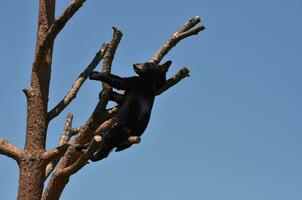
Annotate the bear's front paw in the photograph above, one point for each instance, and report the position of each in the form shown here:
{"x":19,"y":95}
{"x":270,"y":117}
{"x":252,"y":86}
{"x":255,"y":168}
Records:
{"x":94,"y":75}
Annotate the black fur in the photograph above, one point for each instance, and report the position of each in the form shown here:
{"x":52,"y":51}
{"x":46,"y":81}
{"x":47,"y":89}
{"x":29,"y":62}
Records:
{"x":135,"y":105}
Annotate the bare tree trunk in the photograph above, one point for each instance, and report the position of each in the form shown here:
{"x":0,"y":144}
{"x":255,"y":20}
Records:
{"x":32,"y":166}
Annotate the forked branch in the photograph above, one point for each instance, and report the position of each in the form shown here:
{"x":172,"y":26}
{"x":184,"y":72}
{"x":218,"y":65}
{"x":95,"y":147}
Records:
{"x":59,"y":23}
{"x":186,"y":30}
{"x":183,"y":32}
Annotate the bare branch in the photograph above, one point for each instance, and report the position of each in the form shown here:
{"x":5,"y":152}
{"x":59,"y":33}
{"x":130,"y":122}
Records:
{"x":181,"y":74}
{"x":77,"y":84}
{"x":105,"y":126}
{"x":57,"y":154}
{"x":82,"y":160}
{"x":193,"y":31}
{"x":66,"y":135}
{"x":59,"y":24}
{"x":109,"y":56}
{"x":188,"y":25}
{"x":10,"y":150}
{"x":184,"y":31}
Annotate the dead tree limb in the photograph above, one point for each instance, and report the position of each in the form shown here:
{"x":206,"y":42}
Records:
{"x":10,"y":150}
{"x":77,"y":84}
{"x":66,"y":134}
{"x":65,"y":137}
{"x":181,"y":74}
{"x":184,"y":31}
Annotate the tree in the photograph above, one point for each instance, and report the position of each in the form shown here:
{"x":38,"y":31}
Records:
{"x":35,"y":162}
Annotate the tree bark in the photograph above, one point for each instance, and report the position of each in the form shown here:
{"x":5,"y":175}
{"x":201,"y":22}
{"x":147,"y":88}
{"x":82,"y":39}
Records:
{"x":32,"y":166}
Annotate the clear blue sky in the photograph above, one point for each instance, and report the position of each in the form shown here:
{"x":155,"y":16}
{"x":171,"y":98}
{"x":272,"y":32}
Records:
{"x":231,"y":131}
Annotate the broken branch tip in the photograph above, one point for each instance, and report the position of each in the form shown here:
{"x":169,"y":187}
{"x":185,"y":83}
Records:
{"x":98,"y":138}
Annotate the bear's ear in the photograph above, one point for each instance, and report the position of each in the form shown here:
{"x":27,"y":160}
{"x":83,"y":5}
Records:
{"x":165,"y":67}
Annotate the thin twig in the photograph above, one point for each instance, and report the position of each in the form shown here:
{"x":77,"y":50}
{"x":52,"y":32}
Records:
{"x":66,"y":134}
{"x":65,"y":137}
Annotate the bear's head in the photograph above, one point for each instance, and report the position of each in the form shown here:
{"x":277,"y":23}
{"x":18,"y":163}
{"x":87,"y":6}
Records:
{"x":154,"y":73}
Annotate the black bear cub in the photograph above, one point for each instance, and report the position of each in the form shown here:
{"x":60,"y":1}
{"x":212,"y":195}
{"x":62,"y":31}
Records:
{"x":135,"y":105}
